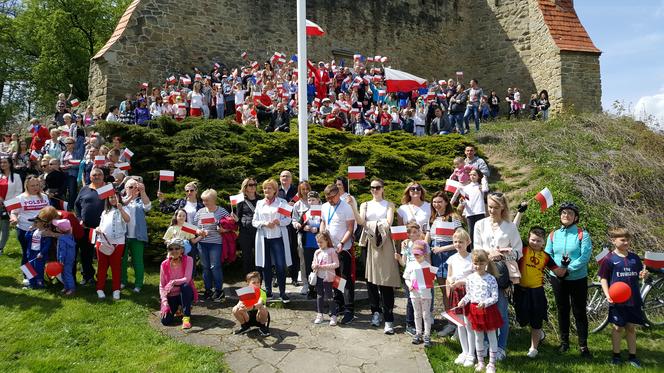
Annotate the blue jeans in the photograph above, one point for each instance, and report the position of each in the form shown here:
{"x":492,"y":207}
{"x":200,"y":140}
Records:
{"x":457,"y":120}
{"x":210,"y":254}
{"x":72,"y":192}
{"x":20,"y":234}
{"x":185,"y":299}
{"x":472,"y":109}
{"x":68,"y":259}
{"x":275,"y":254}
{"x":220,"y":111}
{"x":38,"y":265}
{"x":505,"y":329}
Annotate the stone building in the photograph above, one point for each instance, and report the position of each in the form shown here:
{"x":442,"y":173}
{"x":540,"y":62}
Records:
{"x":530,"y":44}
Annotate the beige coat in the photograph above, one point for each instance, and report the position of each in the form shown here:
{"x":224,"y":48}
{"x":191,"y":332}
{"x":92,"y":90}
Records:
{"x":381,"y":269}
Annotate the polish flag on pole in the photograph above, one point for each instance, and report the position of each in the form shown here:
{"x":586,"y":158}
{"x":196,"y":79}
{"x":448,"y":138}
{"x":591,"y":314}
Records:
{"x":34,"y":155}
{"x":206,"y":218}
{"x":445,"y":228}
{"x":454,"y":318}
{"x":654,"y":260}
{"x":339,"y":283}
{"x":255,"y":65}
{"x":75,"y":102}
{"x":399,"y":232}
{"x":127,"y":154}
{"x":75,"y":162}
{"x":189,"y":228}
{"x":452,"y":185}
{"x":124,"y":166}
{"x":295,"y":198}
{"x":356,"y":172}
{"x":602,"y":255}
{"x":185,"y":80}
{"x":249,"y":295}
{"x":382,"y":92}
{"x":100,"y":160}
{"x":166,"y":175}
{"x":92,"y":236}
{"x":370,"y":59}
{"x":357,"y":57}
{"x":144,"y":85}
{"x":106,"y":191}
{"x":400,"y":81}
{"x":314,"y":30}
{"x":244,"y":55}
{"x":235,"y":199}
{"x":316,"y":210}
{"x":28,"y":270}
{"x":172,"y":79}
{"x":383,"y":59}
{"x":13,"y":204}
{"x":424,"y":277}
{"x":285,"y":210}
{"x":545,"y":199}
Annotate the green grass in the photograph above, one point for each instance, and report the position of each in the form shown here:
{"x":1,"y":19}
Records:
{"x":43,"y":331}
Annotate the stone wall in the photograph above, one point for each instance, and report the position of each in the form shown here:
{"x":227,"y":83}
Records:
{"x":502,"y":43}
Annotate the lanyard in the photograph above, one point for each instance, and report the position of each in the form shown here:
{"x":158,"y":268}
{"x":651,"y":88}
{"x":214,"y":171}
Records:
{"x":329,"y":218}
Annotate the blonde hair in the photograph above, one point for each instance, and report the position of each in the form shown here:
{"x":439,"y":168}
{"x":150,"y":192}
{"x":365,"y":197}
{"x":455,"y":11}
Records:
{"x":619,"y":232}
{"x":243,"y":187}
{"x":500,"y":199}
{"x":192,"y":184}
{"x":209,"y":193}
{"x":406,"y":195}
{"x":481,"y":256}
{"x":461,"y":233}
{"x":272,"y":183}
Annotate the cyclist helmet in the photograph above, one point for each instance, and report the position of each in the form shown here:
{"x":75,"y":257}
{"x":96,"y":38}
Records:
{"x":570,"y":206}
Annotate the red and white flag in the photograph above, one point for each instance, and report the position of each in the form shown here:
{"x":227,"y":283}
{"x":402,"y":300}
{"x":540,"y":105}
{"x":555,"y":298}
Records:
{"x":314,"y":30}
{"x":127,"y":154}
{"x":383,"y":59}
{"x":452,"y":185}
{"x":545,"y":199}
{"x":370,"y":59}
{"x":172,"y":79}
{"x":454,"y":318}
{"x":316,"y":210}
{"x":295,"y":198}
{"x":92,"y":236}
{"x":13,"y":204}
{"x":400,"y":81}
{"x":144,"y":85}
{"x":189,"y":228}
{"x":166,"y":175}
{"x":235,"y":199}
{"x":602,"y":255}
{"x":124,"y":166}
{"x":75,"y":102}
{"x":249,"y":295}
{"x":255,"y":65}
{"x":74,"y":162}
{"x":185,"y":80}
{"x":207,"y":218}
{"x":99,"y":160}
{"x":382,"y":92}
{"x":424,"y":278}
{"x":244,"y":55}
{"x":356,"y":172}
{"x":654,"y":260}
{"x":34,"y":155}
{"x":339,"y":283}
{"x":198,"y":77}
{"x":445,"y":228}
{"x":28,"y":270}
{"x":106,"y":191}
{"x":285,"y":210}
{"x":377,"y":58}
{"x":357,"y":57}
{"x":399,"y":232}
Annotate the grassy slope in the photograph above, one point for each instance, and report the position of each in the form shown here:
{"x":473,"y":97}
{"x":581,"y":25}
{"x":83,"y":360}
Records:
{"x":44,"y":332}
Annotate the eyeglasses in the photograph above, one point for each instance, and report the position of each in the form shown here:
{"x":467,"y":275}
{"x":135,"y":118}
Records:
{"x":331,"y":196}
{"x":376,"y":187}
{"x":415,"y":189}
{"x":130,"y":187}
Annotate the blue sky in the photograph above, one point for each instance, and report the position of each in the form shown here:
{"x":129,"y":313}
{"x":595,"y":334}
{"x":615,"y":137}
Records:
{"x":631,"y":37}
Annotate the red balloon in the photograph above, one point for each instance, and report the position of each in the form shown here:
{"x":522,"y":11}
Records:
{"x":53,"y":268}
{"x":620,"y":292}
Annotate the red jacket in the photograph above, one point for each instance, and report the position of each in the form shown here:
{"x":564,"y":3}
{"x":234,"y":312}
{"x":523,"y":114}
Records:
{"x":39,"y":137}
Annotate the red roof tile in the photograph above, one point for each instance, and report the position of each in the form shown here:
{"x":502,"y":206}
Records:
{"x":565,"y":27}
{"x":119,"y":29}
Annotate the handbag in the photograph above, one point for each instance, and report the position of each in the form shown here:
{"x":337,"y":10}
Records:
{"x":313,"y":277}
{"x":106,"y":248}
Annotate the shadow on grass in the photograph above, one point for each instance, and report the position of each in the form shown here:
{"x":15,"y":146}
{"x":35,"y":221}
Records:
{"x":27,"y":300}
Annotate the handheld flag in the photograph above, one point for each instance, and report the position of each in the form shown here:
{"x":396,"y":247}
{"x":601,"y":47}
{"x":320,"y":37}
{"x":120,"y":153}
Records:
{"x":285,"y":210}
{"x":172,"y":79}
{"x":316,"y":210}
{"x":424,"y":277}
{"x":295,"y":199}
{"x":75,"y":102}
{"x":314,"y":30}
{"x":124,"y":166}
{"x":454,"y":318}
{"x":99,"y":160}
{"x":34,"y":155}
{"x":356,"y":172}
{"x":400,"y":81}
{"x":399,"y":232}
{"x":235,"y":199}
{"x":445,"y":228}
{"x":189,"y":228}
{"x":249,"y":295}
{"x":339,"y":283}
{"x":166,"y":175}
{"x":127,"y":154}
{"x":106,"y":191}
{"x":545,"y":199}
{"x":244,"y":55}
{"x":602,"y":255}
{"x":207,"y":218}
{"x":92,"y":236}
{"x":75,"y":162}
{"x":13,"y":204}
{"x":452,"y":185}
{"x":28,"y":270}
{"x":654,"y":260}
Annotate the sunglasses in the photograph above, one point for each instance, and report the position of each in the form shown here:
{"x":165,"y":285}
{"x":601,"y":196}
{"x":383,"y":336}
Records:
{"x":376,"y":187}
{"x":189,"y":190}
{"x":252,"y":184}
{"x":415,"y":189}
{"x":130,"y":187}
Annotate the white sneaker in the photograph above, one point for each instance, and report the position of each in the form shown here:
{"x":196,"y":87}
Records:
{"x":455,"y":336}
{"x":460,"y":359}
{"x":479,"y":366}
{"x":305,"y":289}
{"x":319,"y":318}
{"x":116,"y":294}
{"x":333,"y":320}
{"x":101,"y":294}
{"x":500,"y":354}
{"x":532,"y":352}
{"x":470,"y":361}
{"x":26,"y":282}
{"x":447,"y":330}
{"x":389,"y":330}
{"x":375,"y":319}
{"x":491,"y":368}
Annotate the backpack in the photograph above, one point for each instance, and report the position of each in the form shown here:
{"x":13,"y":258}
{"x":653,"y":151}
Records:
{"x":579,"y":235}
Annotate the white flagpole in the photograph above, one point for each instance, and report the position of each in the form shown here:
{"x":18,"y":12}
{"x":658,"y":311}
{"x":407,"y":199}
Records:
{"x":302,"y":88}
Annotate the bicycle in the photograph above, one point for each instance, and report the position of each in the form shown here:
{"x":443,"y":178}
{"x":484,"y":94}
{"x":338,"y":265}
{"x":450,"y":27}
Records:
{"x":652,"y":293}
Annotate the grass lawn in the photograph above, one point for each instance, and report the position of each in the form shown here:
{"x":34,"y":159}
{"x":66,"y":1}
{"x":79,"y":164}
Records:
{"x":43,"y":331}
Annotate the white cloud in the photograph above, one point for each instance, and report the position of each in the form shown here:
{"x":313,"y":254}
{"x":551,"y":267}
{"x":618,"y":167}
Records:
{"x":650,"y":109}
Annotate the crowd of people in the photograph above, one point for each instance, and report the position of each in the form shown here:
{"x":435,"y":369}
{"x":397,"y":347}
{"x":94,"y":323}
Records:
{"x":467,"y":239}
{"x":352,"y":98}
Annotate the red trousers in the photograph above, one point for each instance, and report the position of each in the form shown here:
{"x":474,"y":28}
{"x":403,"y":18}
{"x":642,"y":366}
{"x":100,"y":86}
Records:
{"x":115,"y":262}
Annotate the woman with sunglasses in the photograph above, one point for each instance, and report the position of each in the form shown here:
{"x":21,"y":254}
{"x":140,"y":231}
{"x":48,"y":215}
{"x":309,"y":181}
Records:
{"x":70,"y":169}
{"x":190,"y":203}
{"x":22,"y":159}
{"x":176,"y":284}
{"x":382,"y":268}
{"x":299,"y":210}
{"x":10,"y":187}
{"x":244,"y":216}
{"x":414,"y":206}
{"x":137,"y":204}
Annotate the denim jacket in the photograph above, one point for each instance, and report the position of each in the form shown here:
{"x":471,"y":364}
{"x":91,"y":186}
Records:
{"x":136,"y":210}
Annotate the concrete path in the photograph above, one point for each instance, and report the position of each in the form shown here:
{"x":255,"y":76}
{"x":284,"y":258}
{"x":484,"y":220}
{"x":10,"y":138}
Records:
{"x":297,"y":345}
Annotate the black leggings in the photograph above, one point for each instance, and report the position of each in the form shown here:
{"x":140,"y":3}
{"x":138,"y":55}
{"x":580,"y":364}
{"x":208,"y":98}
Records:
{"x":572,"y":293}
{"x":378,"y":293}
{"x":345,"y":299}
{"x":472,"y":219}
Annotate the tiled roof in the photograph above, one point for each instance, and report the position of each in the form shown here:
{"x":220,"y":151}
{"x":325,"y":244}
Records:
{"x":119,"y":29}
{"x":565,"y":27}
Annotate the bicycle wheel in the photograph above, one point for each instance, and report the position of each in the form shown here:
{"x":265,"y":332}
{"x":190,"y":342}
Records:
{"x":653,"y":303}
{"x":597,"y":308}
